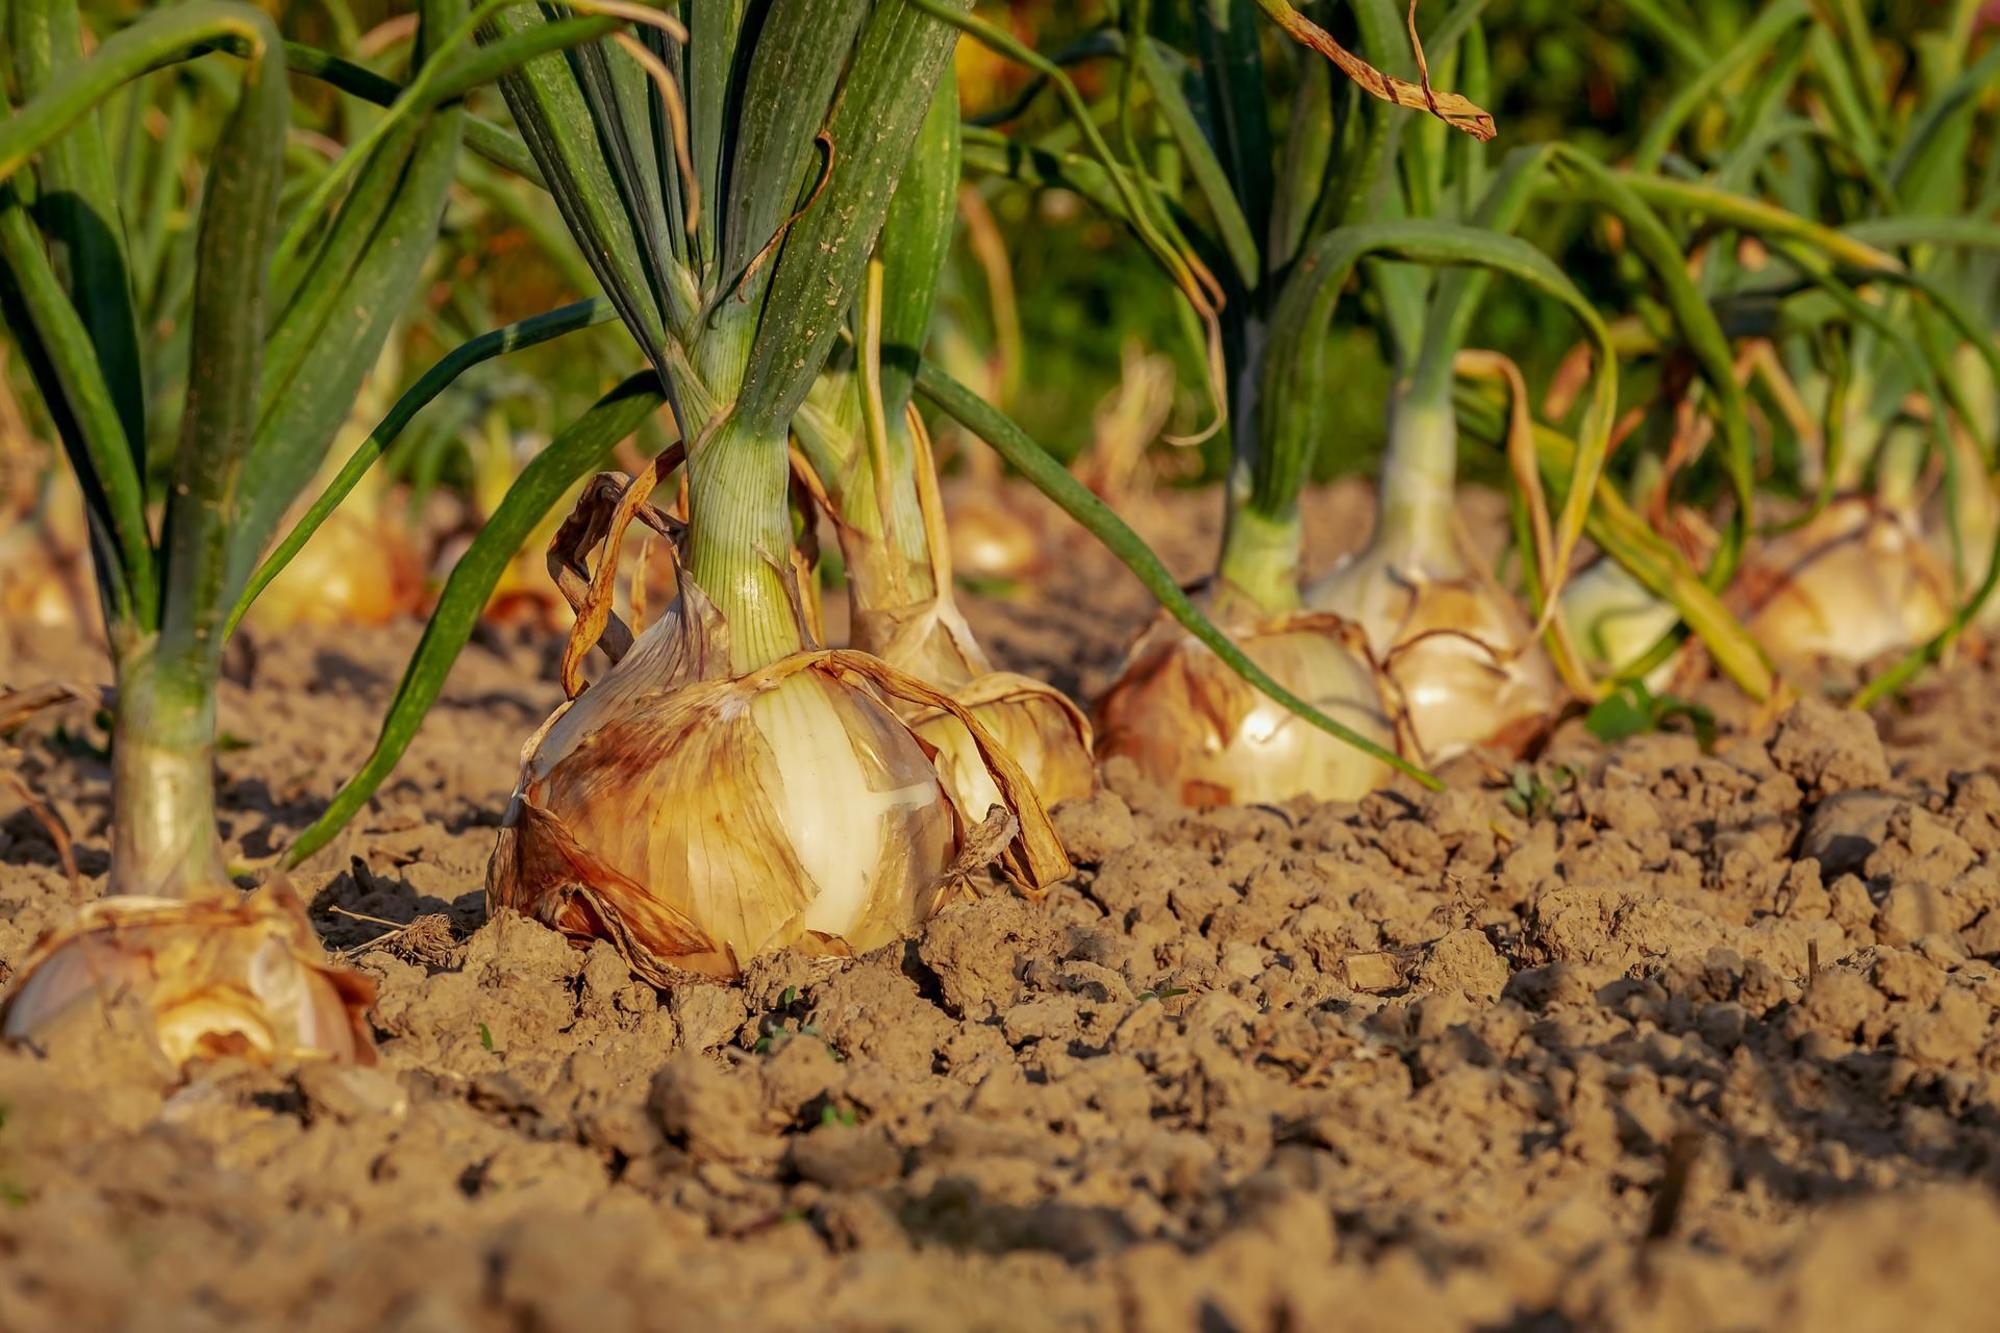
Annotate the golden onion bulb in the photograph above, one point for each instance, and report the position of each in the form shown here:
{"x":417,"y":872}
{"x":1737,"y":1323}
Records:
{"x":354,"y":571}
{"x":1853,"y":583}
{"x":1046,"y":734}
{"x":1203,"y":733}
{"x":215,"y":977}
{"x":989,"y":538}
{"x":697,"y":819}
{"x":1460,"y":658}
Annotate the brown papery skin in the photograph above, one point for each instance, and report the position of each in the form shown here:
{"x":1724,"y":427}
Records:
{"x":1199,"y":731}
{"x":1047,"y":735}
{"x":1462,"y":664}
{"x":221,"y":976}
{"x":1854,"y":583}
{"x":661,"y":831}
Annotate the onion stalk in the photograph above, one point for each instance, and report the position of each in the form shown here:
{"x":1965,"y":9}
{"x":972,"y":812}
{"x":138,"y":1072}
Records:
{"x":873,"y":472}
{"x":730,"y":787}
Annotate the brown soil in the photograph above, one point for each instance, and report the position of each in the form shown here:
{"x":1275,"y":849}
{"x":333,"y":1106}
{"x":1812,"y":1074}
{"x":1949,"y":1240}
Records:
{"x":1421,"y":1062}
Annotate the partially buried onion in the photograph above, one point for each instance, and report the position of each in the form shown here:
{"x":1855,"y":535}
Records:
{"x":222,"y":976}
{"x":698,"y":819}
{"x":1854,"y":582}
{"x":1044,"y":732}
{"x":1460,"y":658}
{"x":1197,"y":729}
{"x":1038,"y":725}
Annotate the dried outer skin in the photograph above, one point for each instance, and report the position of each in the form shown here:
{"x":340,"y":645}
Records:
{"x":653,"y":810}
{"x":1853,"y":584}
{"x":1046,"y":733}
{"x":1198,"y":730}
{"x":1460,"y":662}
{"x":220,"y":976}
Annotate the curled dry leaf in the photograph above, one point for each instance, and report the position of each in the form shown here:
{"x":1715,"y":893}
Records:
{"x":696,"y":819}
{"x":1197,"y":729}
{"x":215,"y":977}
{"x":1452,"y":109}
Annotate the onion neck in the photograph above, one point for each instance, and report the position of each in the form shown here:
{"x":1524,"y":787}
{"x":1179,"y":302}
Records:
{"x":739,"y":541}
{"x":1259,"y":568}
{"x":164,"y":840}
{"x":892,"y":568}
{"x":1419,"y":477}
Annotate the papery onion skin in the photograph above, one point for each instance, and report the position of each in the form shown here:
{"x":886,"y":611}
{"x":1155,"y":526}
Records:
{"x":1047,"y":735}
{"x":217,"y":976}
{"x":1209,"y":738}
{"x":1461,"y":660}
{"x":1853,"y":584}
{"x":738,"y":809}
{"x":697,"y":818}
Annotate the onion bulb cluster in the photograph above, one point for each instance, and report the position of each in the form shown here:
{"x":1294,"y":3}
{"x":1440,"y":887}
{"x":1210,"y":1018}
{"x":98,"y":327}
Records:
{"x":697,"y":819}
{"x":1208,"y":737}
{"x":212,"y":976}
{"x":1854,"y":582}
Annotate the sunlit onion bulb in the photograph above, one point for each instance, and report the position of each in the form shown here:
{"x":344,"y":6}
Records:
{"x":1460,"y":656}
{"x":354,"y":571}
{"x":1198,"y":730}
{"x":989,"y":540}
{"x":222,"y":977}
{"x":698,"y":820}
{"x":1044,"y":732}
{"x":1854,"y":583}
{"x":1047,"y":735}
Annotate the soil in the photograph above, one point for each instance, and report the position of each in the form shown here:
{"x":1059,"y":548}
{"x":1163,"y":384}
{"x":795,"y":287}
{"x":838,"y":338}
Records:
{"x":1675,"y":1039}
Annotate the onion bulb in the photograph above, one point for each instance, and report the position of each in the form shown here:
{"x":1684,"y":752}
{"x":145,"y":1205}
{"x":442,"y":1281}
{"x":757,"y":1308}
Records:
{"x":989,"y":538}
{"x":1616,"y":621}
{"x":1207,"y":736}
{"x":1459,"y":657}
{"x":216,"y":976}
{"x":1851,"y":584}
{"x":1038,"y":725}
{"x":354,"y":571}
{"x":697,"y":819}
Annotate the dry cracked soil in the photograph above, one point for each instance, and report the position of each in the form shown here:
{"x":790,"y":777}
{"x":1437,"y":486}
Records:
{"x":1687,"y":1039}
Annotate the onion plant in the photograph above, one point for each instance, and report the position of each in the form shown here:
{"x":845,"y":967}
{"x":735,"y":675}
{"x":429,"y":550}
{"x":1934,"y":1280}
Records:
{"x":729,"y":786}
{"x":265,"y":393}
{"x":869,"y":462}
{"x":1860,"y":343}
{"x":1289,"y":224}
{"x":291,"y":296}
